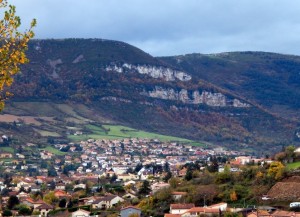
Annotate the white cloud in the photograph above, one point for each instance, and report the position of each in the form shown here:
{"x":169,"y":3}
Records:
{"x":171,"y":27}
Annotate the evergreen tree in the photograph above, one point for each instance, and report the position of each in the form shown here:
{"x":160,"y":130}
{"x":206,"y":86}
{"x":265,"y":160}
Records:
{"x":113,"y":178}
{"x":168,"y":176}
{"x":24,"y":210}
{"x":12,"y":201}
{"x":145,"y":188}
{"x":214,"y":166}
{"x":70,"y":204}
{"x":138,"y":167}
{"x":189,"y":174}
{"x":7,"y":212}
{"x":167,"y":167}
{"x":52,"y":172}
{"x":62,"y":203}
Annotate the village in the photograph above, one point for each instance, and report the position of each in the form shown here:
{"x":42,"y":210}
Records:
{"x":99,"y":157}
{"x":114,"y":177}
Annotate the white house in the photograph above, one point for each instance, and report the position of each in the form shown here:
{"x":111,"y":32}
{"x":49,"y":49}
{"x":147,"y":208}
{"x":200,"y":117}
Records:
{"x":180,"y":208}
{"x":176,"y":195}
{"x":221,"y":206}
{"x":198,"y":211}
{"x":129,"y":183}
{"x":44,"y":209}
{"x":159,"y":186}
{"x":83,"y":186}
{"x":81,"y":213}
{"x":297,"y":150}
{"x":107,"y":202}
{"x":243,"y":159}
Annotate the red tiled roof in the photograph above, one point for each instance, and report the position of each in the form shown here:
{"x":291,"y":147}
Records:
{"x":30,"y":200}
{"x":263,"y":213}
{"x":172,"y":215}
{"x":182,"y":205}
{"x":282,"y":213}
{"x":203,"y":210}
{"x":44,"y":206}
{"x":41,"y":177}
{"x":217,"y":204}
{"x":60,"y":193}
{"x":13,"y":193}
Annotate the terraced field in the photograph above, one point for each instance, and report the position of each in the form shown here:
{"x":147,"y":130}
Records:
{"x":36,"y":122}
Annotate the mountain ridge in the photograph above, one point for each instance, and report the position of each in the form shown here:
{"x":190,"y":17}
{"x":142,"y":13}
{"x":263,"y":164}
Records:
{"x":193,"y":96}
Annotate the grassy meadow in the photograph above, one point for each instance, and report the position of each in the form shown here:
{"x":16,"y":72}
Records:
{"x":292,"y":166}
{"x":53,"y":150}
{"x":7,"y":149}
{"x":121,"y":132}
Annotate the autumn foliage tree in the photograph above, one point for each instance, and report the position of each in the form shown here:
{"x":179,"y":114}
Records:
{"x":134,"y":215}
{"x":13,"y":45}
{"x":233,"y":196}
{"x":276,"y":170}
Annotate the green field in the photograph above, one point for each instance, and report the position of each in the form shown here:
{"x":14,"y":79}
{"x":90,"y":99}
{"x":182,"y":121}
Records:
{"x":7,"y":149}
{"x":121,"y":132}
{"x":193,"y":143}
{"x":7,"y":159}
{"x":292,"y":166}
{"x":53,"y":150}
{"x":59,"y":117}
{"x":47,"y":133}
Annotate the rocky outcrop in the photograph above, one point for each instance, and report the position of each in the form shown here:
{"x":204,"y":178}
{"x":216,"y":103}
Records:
{"x":194,"y":97}
{"x":78,"y":59}
{"x":53,"y":64}
{"x":115,"y":99}
{"x":238,"y":103}
{"x":157,"y":72}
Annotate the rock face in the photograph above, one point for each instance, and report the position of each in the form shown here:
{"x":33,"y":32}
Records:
{"x":238,"y":103}
{"x":78,"y":59}
{"x":116,"y":99}
{"x":195,"y":97}
{"x":164,"y":73}
{"x":182,"y":95}
{"x":53,"y":64}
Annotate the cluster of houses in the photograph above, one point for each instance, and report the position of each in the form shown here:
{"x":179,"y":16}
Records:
{"x":124,"y":212}
{"x":190,"y":210}
{"x":107,"y":158}
{"x":24,"y":187}
{"x":134,"y":150}
{"x":117,"y":156}
{"x":28,"y":184}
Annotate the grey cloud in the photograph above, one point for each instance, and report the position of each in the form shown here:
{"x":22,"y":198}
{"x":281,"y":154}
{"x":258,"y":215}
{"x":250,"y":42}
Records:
{"x":171,"y":27}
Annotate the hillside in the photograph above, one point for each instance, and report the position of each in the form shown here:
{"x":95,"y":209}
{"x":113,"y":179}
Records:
{"x":197,"y":97}
{"x":266,"y":79}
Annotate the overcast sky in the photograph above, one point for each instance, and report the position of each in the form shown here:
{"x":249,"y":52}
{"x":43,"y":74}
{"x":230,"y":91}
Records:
{"x":172,"y":27}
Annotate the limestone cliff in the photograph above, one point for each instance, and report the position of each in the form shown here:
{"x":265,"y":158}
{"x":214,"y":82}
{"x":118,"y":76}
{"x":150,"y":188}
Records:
{"x":164,"y":73}
{"x":194,"y":97}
